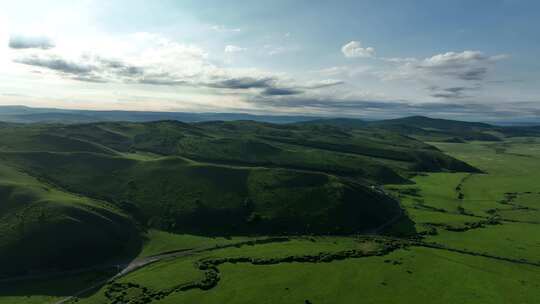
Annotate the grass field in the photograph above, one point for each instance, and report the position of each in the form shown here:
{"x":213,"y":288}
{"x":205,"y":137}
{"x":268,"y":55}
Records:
{"x":423,"y":275}
{"x":403,"y":276}
{"x":157,"y":242}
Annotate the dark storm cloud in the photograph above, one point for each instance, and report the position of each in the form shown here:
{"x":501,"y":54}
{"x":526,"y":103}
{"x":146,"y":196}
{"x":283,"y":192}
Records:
{"x":30,"y":42}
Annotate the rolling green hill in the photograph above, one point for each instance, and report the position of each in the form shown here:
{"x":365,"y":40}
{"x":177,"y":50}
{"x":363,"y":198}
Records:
{"x":82,"y":195}
{"x":375,"y":155}
{"x":173,"y":194}
{"x":93,"y":189}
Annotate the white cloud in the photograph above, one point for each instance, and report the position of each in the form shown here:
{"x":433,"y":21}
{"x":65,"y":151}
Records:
{"x":234,"y":49}
{"x":224,"y":29}
{"x":354,"y":49}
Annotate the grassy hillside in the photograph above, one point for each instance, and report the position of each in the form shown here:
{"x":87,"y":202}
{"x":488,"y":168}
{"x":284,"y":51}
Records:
{"x":43,"y":227}
{"x":173,"y":194}
{"x":73,"y":195}
{"x":85,"y":188}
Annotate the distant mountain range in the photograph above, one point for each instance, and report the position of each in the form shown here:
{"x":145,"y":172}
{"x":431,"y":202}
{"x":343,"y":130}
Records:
{"x":24,"y":114}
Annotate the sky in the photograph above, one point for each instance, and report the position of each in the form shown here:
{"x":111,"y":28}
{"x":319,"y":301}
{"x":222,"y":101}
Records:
{"x":473,"y":60}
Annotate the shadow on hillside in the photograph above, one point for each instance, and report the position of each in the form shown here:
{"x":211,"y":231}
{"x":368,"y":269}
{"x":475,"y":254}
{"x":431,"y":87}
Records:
{"x":67,"y":281}
{"x":55,"y":287}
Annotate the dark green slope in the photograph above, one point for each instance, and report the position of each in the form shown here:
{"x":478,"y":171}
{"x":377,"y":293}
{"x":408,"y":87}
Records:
{"x":43,"y":228}
{"x":176,"y":195}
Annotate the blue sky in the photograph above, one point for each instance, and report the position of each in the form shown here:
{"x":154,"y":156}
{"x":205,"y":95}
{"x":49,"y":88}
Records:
{"x":372,"y":59}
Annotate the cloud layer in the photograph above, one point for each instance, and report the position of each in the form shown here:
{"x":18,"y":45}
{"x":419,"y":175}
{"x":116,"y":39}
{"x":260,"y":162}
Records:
{"x":449,"y":82}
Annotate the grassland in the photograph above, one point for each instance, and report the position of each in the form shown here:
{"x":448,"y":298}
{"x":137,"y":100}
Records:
{"x":401,"y":276}
{"x":472,"y":236}
{"x":486,"y":246}
{"x":156,"y":242}
{"x":421,"y":276}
